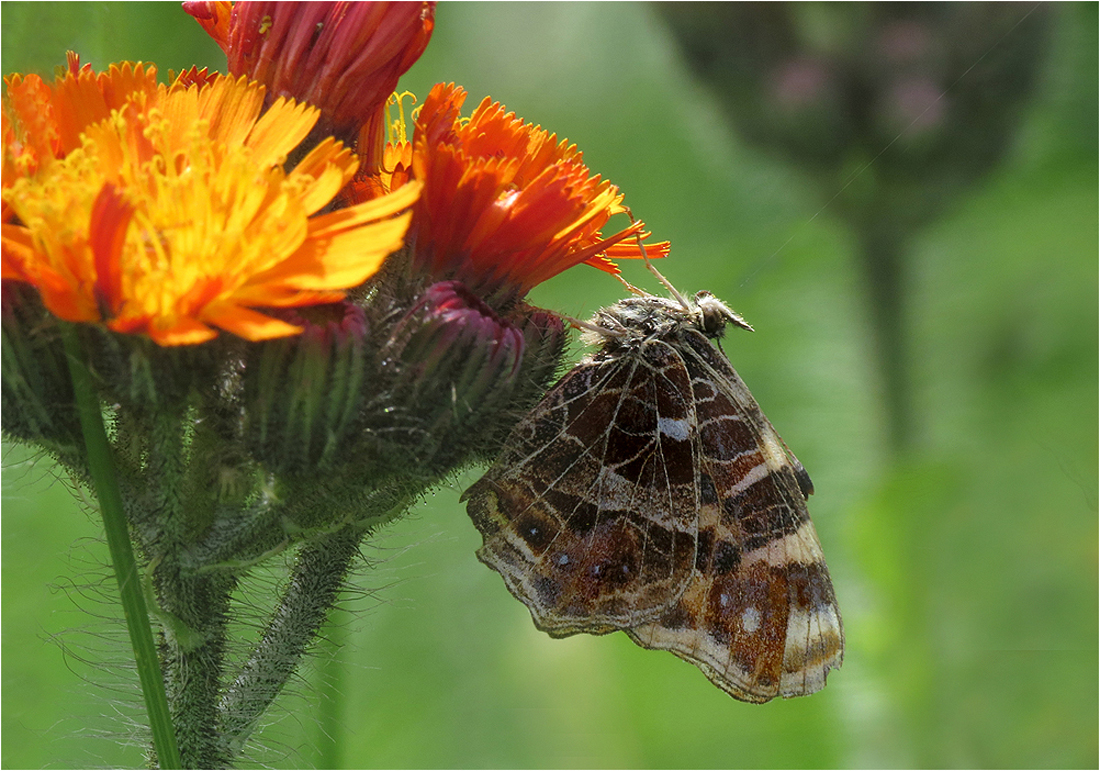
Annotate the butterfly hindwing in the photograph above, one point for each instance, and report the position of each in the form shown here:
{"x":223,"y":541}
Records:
{"x":759,"y":617}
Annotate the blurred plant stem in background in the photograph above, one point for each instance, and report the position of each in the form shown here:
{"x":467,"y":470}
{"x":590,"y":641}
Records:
{"x":895,"y":109}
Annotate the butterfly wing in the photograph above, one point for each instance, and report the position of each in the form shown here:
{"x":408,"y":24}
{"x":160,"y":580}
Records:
{"x":590,"y":513}
{"x":759,"y":616}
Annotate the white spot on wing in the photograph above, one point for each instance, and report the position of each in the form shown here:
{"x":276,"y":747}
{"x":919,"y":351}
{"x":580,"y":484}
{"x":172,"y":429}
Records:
{"x":773,"y":452}
{"x":800,"y":546}
{"x":750,"y":619}
{"x":673,"y":428}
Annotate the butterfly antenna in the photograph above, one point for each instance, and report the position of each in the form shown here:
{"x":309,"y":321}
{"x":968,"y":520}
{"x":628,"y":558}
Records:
{"x":668,"y":284}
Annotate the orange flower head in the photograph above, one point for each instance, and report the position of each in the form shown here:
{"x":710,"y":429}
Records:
{"x":344,"y":58}
{"x":166,"y":211}
{"x":505,"y":204}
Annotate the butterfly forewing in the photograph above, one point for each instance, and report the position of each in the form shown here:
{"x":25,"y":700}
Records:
{"x":575,"y":512}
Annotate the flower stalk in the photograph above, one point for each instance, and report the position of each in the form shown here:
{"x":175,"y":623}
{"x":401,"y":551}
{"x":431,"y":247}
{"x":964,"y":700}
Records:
{"x":104,"y":477}
{"x":315,"y":580}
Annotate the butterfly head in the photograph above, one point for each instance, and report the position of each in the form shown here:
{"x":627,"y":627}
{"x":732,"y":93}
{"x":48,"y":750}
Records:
{"x":714,"y":315}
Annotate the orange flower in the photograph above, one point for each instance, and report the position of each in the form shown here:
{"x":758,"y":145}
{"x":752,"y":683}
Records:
{"x":506,"y":205}
{"x":344,"y":58}
{"x":166,"y":211}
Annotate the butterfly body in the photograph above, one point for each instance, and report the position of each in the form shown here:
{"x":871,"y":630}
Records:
{"x":648,"y":493}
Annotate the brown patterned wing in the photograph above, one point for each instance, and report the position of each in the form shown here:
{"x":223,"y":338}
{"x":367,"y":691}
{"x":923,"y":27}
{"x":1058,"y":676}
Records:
{"x":759,"y":616}
{"x":590,"y":513}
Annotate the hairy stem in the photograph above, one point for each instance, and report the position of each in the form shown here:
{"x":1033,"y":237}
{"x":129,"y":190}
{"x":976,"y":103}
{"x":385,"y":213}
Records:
{"x":173,"y":500}
{"x":315,"y":581}
{"x":194,"y":654}
{"x":105,"y":480}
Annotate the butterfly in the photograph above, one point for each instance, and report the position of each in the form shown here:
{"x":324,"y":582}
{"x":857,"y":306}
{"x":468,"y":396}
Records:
{"x":648,"y":493}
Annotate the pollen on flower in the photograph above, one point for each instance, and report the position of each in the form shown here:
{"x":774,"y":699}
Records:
{"x":173,"y":215}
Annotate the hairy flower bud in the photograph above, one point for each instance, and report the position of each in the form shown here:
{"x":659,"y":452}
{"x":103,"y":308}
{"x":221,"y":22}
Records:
{"x":344,"y":58}
{"x":37,"y":390}
{"x":301,"y":394}
{"x":457,"y":375}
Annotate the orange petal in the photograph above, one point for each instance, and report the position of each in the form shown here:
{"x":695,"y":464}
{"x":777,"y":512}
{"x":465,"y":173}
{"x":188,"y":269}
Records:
{"x":247,"y":323}
{"x":280,"y":129}
{"x":213,"y":17}
{"x":111,"y":216}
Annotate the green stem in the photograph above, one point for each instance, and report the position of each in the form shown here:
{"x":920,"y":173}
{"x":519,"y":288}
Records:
{"x":105,"y":480}
{"x":176,"y":504}
{"x":315,"y":582}
{"x":195,"y":654}
{"x":332,"y":687}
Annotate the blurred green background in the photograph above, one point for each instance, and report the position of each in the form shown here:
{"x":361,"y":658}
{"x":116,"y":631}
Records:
{"x":965,"y":561}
